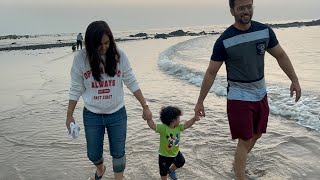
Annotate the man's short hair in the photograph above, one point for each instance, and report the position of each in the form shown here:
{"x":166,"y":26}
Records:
{"x":231,"y":3}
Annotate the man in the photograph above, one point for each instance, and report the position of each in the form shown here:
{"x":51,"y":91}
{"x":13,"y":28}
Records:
{"x":242,"y":47}
{"x":79,"y":41}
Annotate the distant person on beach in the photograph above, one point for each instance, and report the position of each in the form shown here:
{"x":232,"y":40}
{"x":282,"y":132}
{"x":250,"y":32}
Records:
{"x":79,"y":41}
{"x":242,"y":47}
{"x":73,"y":47}
{"x":97,"y":74}
{"x":170,"y":157}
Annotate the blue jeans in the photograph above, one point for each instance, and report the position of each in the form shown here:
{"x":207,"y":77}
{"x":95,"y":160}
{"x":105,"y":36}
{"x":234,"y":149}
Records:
{"x":95,"y":126}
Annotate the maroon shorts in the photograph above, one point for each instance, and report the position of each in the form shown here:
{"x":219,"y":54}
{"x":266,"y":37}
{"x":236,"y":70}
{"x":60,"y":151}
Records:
{"x":247,"y":118}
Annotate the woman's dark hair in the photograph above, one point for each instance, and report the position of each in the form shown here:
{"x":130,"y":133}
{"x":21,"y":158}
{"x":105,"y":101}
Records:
{"x":169,"y":113}
{"x":231,"y":3}
{"x":93,"y":37}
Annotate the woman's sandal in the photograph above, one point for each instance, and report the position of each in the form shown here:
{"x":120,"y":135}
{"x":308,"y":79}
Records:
{"x":96,"y":177}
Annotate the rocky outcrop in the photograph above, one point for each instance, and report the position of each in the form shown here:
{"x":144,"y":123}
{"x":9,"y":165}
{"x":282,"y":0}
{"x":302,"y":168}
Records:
{"x":139,"y":35}
{"x":161,"y":36}
{"x":177,"y":33}
{"x":182,"y":33}
{"x":295,"y":24}
{"x":46,"y":46}
{"x":14,"y":36}
{"x":38,"y":46}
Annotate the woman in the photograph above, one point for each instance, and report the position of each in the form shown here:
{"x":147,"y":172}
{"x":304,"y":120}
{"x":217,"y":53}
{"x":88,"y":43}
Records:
{"x":97,"y":74}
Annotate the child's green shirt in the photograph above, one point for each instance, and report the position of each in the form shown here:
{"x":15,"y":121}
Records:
{"x":169,"y":139}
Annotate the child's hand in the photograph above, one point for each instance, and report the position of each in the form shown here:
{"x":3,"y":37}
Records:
{"x":190,"y":122}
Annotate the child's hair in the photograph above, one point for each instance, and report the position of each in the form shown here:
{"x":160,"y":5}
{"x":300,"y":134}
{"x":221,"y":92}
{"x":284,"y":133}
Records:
{"x":169,"y":113}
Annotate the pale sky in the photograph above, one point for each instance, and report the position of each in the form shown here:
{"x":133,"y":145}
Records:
{"x":59,"y":16}
{"x":112,"y":2}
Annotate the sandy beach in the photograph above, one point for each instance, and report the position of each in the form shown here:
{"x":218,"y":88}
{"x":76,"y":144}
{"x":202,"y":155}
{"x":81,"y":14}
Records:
{"x":34,"y":144}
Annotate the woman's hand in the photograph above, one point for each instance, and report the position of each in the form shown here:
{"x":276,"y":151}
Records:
{"x":146,"y":114}
{"x":71,"y":106}
{"x":68,"y":122}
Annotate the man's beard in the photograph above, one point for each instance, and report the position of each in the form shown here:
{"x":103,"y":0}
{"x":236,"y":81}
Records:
{"x":244,"y":22}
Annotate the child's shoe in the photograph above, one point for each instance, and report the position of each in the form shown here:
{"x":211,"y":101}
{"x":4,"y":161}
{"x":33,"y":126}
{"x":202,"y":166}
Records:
{"x":172,"y":174}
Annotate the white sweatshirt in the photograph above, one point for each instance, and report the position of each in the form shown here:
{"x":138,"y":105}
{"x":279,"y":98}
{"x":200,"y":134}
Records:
{"x":105,"y":96}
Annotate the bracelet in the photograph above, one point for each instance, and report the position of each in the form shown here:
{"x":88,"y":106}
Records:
{"x":145,"y":104}
{"x":69,"y":110}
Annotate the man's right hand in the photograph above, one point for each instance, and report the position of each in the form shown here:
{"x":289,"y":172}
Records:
{"x":199,"y":110}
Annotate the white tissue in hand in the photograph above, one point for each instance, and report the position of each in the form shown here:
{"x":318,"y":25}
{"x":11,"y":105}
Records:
{"x":74,"y":130}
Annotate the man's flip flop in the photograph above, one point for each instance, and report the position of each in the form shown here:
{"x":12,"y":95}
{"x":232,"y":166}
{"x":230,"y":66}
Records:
{"x":96,"y":177}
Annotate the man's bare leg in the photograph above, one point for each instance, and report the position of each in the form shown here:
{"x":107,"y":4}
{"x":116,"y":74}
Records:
{"x":240,"y":159}
{"x":243,"y":148}
{"x":254,"y":140}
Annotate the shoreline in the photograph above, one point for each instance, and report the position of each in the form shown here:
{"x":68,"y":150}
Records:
{"x":142,"y":36}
